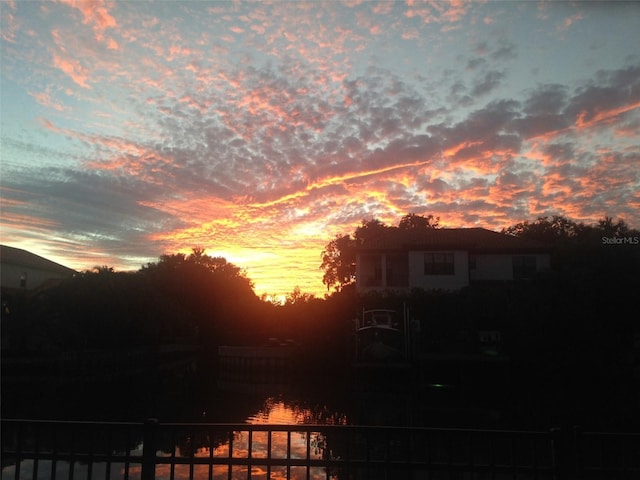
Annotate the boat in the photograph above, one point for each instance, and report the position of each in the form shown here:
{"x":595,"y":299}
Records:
{"x":380,"y":337}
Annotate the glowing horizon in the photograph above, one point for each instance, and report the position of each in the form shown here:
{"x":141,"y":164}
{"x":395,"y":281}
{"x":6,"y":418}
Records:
{"x":260,"y":131}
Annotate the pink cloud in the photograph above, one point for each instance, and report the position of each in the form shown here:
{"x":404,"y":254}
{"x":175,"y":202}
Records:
{"x":44,"y":98}
{"x":435,"y":11}
{"x":410,"y":34}
{"x":10,"y":25}
{"x":570,"y":21}
{"x":73,"y":69}
{"x":96,"y":14}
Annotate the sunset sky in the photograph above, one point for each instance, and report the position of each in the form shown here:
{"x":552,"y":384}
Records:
{"x":259,"y":131}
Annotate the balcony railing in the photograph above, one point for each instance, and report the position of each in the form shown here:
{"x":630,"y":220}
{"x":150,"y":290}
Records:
{"x":152,"y":450}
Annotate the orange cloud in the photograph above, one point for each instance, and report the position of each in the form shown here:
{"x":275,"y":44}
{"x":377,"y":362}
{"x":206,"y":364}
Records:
{"x":339,"y":179}
{"x":606,"y":116}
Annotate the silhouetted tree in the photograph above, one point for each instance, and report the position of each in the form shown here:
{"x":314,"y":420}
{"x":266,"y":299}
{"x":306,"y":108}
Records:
{"x":217,"y":293}
{"x":413,"y":221}
{"x":570,"y":329}
{"x":339,"y":256}
{"x":297,"y":296}
{"x":338,"y":262}
{"x":576,"y":245}
{"x":545,"y":229}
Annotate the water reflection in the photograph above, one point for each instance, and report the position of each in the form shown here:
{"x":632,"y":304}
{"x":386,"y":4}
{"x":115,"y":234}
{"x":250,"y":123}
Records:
{"x":259,"y":445}
{"x":277,"y":411}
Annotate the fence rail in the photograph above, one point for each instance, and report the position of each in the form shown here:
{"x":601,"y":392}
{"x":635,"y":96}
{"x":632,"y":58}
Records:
{"x":152,"y":450}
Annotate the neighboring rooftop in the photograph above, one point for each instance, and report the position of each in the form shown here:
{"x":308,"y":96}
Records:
{"x":471,"y":239}
{"x":23,"y":258}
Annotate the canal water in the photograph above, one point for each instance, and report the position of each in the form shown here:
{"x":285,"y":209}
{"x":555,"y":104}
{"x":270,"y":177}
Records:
{"x":315,"y":400}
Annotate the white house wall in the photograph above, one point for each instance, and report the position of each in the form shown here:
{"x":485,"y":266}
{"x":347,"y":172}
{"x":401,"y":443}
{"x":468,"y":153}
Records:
{"x":458,"y":280}
{"x":544,"y":262}
{"x":492,"y":267}
{"x":488,"y":267}
{"x":499,"y":267}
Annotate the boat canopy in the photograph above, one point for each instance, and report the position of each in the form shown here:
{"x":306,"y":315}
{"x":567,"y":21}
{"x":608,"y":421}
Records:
{"x":379,"y":318}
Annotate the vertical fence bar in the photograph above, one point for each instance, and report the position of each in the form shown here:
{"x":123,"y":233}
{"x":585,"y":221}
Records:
{"x":387,"y":452}
{"x":211,"y":438}
{"x":561,"y":454}
{"x":127,"y":454}
{"x":288,"y":454}
{"x":514,"y":463}
{"x":249,"y":452}
{"x":149,"y":447}
{"x":534,"y":457}
{"x":172,"y":444}
{"x":36,"y":448}
{"x":109,"y":442}
{"x":449,"y":454}
{"x":194,"y":446}
{"x":90,"y":453}
{"x":17,"y":459}
{"x":230,"y":453}
{"x":72,"y":452}
{"x":556,"y":453}
{"x":54,"y":452}
{"x":308,"y":454}
{"x":269,"y":434}
{"x":576,"y":451}
{"x":347,"y":454}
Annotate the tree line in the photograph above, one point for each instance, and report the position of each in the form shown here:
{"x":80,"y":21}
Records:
{"x":199,"y":296}
{"x":571,"y":330}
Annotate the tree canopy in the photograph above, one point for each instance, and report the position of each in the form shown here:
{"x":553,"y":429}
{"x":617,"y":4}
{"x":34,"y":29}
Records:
{"x":559,"y":229}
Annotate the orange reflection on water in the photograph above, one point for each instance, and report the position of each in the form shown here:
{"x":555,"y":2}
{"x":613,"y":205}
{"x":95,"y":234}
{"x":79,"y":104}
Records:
{"x":261,"y":445}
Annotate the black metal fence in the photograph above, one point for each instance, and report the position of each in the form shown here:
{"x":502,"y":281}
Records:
{"x":151,"y":450}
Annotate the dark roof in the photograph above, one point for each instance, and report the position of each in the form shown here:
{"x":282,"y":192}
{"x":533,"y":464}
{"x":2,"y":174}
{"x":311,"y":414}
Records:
{"x":17,"y":256}
{"x":471,"y":239}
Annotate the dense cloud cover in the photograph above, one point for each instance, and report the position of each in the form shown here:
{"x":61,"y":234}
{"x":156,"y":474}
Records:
{"x":259,"y":131}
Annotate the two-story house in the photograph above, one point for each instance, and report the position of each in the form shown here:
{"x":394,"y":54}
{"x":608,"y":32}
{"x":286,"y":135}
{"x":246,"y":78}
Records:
{"x":445,"y":258}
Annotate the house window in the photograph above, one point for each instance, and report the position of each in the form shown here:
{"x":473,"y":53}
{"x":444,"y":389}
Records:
{"x":372,"y":270}
{"x":397,"y":270}
{"x":438,"y":263}
{"x":524,"y":266}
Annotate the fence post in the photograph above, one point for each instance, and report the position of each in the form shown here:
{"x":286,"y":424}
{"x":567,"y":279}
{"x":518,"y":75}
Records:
{"x":576,"y":451}
{"x":559,"y":449}
{"x":149,"y":448}
{"x":565,"y":452}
